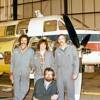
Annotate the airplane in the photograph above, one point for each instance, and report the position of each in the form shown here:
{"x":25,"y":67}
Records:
{"x":51,"y":26}
{"x":43,"y":27}
{"x":9,"y":33}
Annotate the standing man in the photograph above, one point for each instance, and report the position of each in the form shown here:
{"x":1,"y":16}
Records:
{"x":21,"y":64}
{"x":46,"y":88}
{"x":67,"y":61}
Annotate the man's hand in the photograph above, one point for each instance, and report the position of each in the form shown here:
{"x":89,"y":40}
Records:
{"x":11,"y":77}
{"x":54,"y":97}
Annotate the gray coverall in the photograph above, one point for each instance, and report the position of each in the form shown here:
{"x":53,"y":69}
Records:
{"x":21,"y":64}
{"x":39,"y":68}
{"x":67,"y":62}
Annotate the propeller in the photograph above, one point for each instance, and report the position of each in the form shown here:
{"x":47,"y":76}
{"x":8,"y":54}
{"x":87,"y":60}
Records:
{"x":74,"y":38}
{"x":85,"y":40}
{"x":72,"y":33}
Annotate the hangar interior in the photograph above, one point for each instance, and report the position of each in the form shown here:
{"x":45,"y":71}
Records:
{"x":84,"y":14}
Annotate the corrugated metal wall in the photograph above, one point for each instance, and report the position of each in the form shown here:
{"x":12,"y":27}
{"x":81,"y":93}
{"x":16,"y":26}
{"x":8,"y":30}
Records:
{"x":85,"y":14}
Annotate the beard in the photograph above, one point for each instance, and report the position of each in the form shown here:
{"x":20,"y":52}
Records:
{"x":48,"y":80}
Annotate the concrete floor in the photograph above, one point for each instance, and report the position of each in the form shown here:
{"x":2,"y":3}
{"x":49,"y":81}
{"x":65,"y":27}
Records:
{"x":90,"y":87}
{"x":8,"y":96}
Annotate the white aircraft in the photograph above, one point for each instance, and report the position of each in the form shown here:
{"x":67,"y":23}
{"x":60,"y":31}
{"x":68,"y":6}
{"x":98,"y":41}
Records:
{"x":51,"y":26}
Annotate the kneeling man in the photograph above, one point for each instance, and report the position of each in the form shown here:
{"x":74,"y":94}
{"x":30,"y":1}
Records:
{"x":46,"y":88}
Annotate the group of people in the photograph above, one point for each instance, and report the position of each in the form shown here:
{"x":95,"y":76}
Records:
{"x":53,"y":72}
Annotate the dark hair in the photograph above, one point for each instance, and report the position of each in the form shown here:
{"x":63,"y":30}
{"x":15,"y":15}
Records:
{"x":42,"y":41}
{"x":64,"y":35}
{"x":57,"y":43}
{"x":23,"y":36}
{"x":49,"y":69}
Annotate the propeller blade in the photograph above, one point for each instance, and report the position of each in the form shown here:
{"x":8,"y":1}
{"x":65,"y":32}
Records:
{"x":72,"y":33}
{"x":85,"y":40}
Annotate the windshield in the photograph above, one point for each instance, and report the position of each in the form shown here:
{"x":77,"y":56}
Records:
{"x":61,"y":25}
{"x":50,"y":25}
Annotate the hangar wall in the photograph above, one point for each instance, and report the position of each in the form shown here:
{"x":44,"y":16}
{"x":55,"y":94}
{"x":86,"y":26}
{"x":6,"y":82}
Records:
{"x":85,"y":14}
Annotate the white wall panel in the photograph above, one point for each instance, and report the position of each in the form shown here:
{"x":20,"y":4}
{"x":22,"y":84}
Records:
{"x":97,"y":5}
{"x":36,"y":6}
{"x":77,"y":21}
{"x":46,"y":7}
{"x":20,"y":11}
{"x":55,"y":7}
{"x":76,"y":6}
{"x":88,"y":5}
{"x":97,"y":19}
{"x":27,"y":10}
{"x":89,"y":20}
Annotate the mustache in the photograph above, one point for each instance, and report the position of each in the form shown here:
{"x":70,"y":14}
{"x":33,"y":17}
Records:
{"x":23,"y":43}
{"x":61,"y":42}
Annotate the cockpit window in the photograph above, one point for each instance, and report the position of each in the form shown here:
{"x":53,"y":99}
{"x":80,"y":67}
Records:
{"x":50,"y":25}
{"x":22,"y":31}
{"x":61,"y":26}
{"x":10,"y":30}
{"x":22,"y":27}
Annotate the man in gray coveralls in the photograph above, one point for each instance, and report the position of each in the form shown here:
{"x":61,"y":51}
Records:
{"x":66,"y":57}
{"x":21,"y":64}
